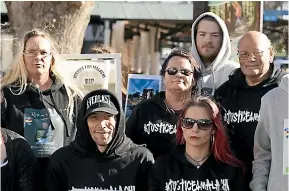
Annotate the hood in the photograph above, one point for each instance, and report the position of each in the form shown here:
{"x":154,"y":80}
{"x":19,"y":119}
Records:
{"x":159,"y":99}
{"x":31,"y":88}
{"x":225,"y":51}
{"x":237,"y":79}
{"x":56,"y":85}
{"x":284,"y":83}
{"x":84,"y":144}
{"x":8,"y":135}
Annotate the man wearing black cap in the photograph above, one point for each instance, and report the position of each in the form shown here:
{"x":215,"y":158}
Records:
{"x":101,"y":157}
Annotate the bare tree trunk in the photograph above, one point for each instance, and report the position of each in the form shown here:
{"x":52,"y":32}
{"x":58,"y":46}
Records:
{"x":65,"y":21}
{"x":257,"y":19}
{"x":199,"y":8}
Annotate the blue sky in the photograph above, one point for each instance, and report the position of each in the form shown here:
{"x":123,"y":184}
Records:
{"x":137,"y":85}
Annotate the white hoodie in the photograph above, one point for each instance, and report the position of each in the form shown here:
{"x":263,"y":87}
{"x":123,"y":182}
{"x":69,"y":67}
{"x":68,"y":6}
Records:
{"x":217,"y":73}
{"x":268,"y":142}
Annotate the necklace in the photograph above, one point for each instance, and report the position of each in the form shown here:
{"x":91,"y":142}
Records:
{"x":169,"y":109}
{"x":196,"y":162}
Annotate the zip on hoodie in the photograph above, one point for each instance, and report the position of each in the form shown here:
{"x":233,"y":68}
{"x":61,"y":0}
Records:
{"x":59,"y":113}
{"x":56,"y":109}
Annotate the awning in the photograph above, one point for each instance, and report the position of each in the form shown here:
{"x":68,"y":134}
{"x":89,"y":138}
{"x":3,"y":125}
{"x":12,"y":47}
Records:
{"x":153,"y":10}
{"x":144,"y":11}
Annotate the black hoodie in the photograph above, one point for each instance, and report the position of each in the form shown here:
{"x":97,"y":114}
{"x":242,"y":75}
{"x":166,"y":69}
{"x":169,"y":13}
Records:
{"x":20,"y":171}
{"x":173,"y":172}
{"x":123,"y":166}
{"x":41,"y":117}
{"x":154,"y":124}
{"x":13,"y":107}
{"x":241,"y":105}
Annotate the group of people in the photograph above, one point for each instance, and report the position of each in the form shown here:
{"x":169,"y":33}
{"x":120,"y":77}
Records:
{"x":204,"y":132}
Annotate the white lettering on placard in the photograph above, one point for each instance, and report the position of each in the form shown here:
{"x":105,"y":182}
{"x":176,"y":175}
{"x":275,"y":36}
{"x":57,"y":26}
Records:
{"x":82,"y":68}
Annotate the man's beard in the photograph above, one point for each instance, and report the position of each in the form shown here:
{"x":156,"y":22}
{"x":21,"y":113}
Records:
{"x":208,"y":59}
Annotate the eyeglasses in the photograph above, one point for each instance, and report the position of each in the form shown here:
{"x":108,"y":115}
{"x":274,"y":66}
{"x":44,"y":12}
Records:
{"x":33,"y":53}
{"x":174,"y":71}
{"x":245,"y":55}
{"x":203,"y":124}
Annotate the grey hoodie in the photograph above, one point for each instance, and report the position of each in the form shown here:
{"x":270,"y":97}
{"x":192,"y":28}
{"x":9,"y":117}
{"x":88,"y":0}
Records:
{"x":268,"y":142}
{"x":217,"y":73}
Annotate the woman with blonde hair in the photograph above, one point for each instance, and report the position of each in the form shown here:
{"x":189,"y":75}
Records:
{"x":36,"y":103}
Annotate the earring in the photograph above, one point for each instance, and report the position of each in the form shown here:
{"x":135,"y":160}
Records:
{"x":183,"y":140}
{"x":212,"y":139}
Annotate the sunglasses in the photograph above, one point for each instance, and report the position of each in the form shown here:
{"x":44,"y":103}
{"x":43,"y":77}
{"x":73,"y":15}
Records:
{"x":203,"y":124}
{"x":174,"y":71}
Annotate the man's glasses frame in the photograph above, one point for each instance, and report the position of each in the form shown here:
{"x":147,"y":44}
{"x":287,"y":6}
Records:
{"x":245,"y":55}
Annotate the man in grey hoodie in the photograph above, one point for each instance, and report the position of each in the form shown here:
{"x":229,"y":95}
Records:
{"x":268,"y":172}
{"x":211,"y":48}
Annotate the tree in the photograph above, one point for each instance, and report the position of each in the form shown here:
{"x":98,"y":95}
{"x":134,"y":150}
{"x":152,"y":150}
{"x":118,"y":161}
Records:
{"x":199,"y":8}
{"x":66,"y":21}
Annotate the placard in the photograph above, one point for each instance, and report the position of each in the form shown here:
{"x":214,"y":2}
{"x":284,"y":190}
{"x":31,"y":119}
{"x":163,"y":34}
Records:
{"x":92,"y":71}
{"x":140,"y":87}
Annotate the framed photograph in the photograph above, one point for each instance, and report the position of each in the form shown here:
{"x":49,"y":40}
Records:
{"x":140,"y":87}
{"x":92,"y":71}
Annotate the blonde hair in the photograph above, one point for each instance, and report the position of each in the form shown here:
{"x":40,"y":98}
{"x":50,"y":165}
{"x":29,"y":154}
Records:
{"x":17,"y":75}
{"x":125,"y":69}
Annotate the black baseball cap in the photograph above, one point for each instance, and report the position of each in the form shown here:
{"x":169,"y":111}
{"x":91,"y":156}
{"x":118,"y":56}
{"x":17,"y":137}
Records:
{"x":100,"y":103}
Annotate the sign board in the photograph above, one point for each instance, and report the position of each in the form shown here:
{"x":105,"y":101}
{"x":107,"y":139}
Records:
{"x":89,"y":72}
{"x":140,"y":87}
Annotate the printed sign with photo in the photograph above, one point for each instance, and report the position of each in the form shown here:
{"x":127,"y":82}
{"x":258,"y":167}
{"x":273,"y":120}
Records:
{"x":140,"y":87}
{"x":39,"y":131}
{"x":92,"y":71}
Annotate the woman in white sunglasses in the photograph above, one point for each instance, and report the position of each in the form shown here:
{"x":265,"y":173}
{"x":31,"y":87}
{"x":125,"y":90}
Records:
{"x":202,"y":160}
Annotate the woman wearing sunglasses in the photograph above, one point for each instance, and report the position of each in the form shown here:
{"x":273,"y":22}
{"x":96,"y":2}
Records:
{"x":202,"y":160}
{"x":153,"y":122}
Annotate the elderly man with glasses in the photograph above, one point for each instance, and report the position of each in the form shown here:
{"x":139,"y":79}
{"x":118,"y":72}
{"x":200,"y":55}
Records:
{"x":270,"y":165}
{"x":240,"y":97}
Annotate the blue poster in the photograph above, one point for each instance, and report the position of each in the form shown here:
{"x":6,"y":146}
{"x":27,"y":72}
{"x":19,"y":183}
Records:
{"x":140,"y":87}
{"x":38,"y":132}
